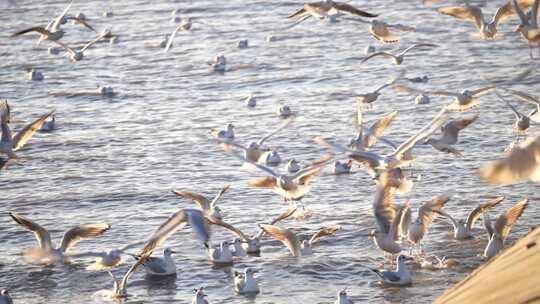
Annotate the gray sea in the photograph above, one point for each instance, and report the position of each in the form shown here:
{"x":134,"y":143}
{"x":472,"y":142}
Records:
{"x":116,"y":160}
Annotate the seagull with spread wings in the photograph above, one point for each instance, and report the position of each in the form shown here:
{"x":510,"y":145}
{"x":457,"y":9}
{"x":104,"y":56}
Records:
{"x":325,"y":8}
{"x":398,"y":58}
{"x":9,"y":143}
{"x":528,"y":28}
{"x":78,"y":54}
{"x":499,"y":232}
{"x":463,"y":228}
{"x":449,"y":136}
{"x":47,"y":253}
{"x":366,"y":138}
{"x":535,"y":114}
{"x":290,"y":239}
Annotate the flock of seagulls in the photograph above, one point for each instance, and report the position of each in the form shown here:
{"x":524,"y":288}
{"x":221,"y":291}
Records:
{"x":396,"y":229}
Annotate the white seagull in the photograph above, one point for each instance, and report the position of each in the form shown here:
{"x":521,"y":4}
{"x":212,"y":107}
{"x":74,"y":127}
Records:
{"x":398,"y":58}
{"x":400,"y":277}
{"x":246,"y":283}
{"x":289,"y":238}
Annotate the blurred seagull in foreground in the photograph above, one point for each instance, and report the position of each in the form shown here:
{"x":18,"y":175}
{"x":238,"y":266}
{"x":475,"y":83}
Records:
{"x":463,"y":228}
{"x":499,"y":232}
{"x":5,"y":297}
{"x":289,"y":238}
{"x":47,"y":253}
{"x":398,"y":58}
{"x":521,"y":164}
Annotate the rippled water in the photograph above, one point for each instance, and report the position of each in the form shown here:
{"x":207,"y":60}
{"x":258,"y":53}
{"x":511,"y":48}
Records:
{"x":116,"y":159}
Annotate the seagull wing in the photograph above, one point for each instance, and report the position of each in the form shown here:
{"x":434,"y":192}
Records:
{"x":57,"y":22}
{"x":132,"y":269}
{"x":38,"y":29}
{"x":417,"y":46}
{"x":200,"y":200}
{"x":91,"y":42}
{"x":43,"y":237}
{"x":346,"y":8}
{"x":483,"y":91}
{"x":383,"y":208}
{"x":326,"y":231}
{"x":385,"y":54}
{"x":286,"y":236}
{"x":78,"y":233}
{"x":504,"y":223}
{"x":467,"y":12}
{"x":377,"y":129}
{"x":477,"y":212}
{"x":281,"y":127}
{"x":28,"y":131}
{"x":429,"y":211}
{"x":172,"y":36}
{"x":525,"y":97}
{"x":219,"y":195}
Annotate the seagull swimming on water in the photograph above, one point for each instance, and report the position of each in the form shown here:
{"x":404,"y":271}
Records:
{"x":47,"y":253}
{"x":463,"y":228}
{"x":5,"y":297}
{"x":499,"y":232}
{"x":289,"y":238}
{"x":160,"y":266}
{"x":400,"y":277}
{"x":199,"y":297}
{"x":246,"y":283}
{"x":342,"y":297}
{"x":397,"y":59}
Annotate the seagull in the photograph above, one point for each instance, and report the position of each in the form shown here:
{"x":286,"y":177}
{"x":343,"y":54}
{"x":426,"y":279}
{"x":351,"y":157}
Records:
{"x":398,"y":58}
{"x":9,"y":143}
{"x":5,"y":297}
{"x":35,"y":75}
{"x":162,"y":266}
{"x":463,"y":228}
{"x":499,"y":232}
{"x":254,"y":150}
{"x":52,"y":31}
{"x":46,"y":253}
{"x":328,"y":7}
{"x":246,"y":283}
{"x":381,"y":31}
{"x":270,"y":158}
{"x":426,"y":214}
{"x":400,"y":277}
{"x":292,"y":187}
{"x":342,"y":167}
{"x":250,"y":101}
{"x":185,"y":25}
{"x":175,"y":222}
{"x":252,"y":245}
{"x":366,"y":138}
{"x":487,"y":30}
{"x":107,"y":259}
{"x":293,"y":166}
{"x":210,"y":209}
{"x":219,"y":63}
{"x":523,"y":122}
{"x":528,"y":28}
{"x":49,"y":125}
{"x":224,"y":134}
{"x":521,"y":164}
{"x":367,"y":98}
{"x":342,"y":297}
{"x":389,"y":219}
{"x":78,"y":55}
{"x":535,"y":114}
{"x":200,"y":297}
{"x":376,"y":163}
{"x":243,"y":44}
{"x":437,"y":263}
{"x":221,"y":254}
{"x":120,"y":287}
{"x":449,"y":137}
{"x":284,"y":111}
{"x":238,"y":246}
{"x":289,"y":238}
{"x":463,"y":101}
